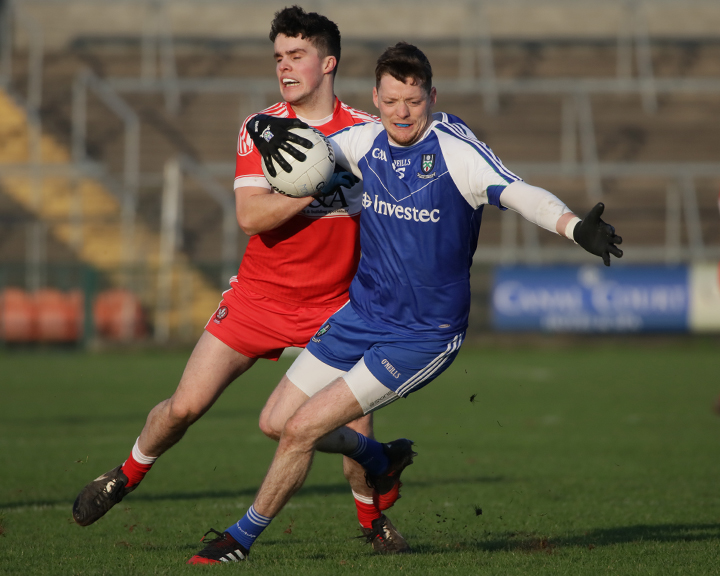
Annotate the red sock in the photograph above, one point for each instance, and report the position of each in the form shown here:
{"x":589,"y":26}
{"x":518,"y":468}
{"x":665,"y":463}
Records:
{"x":366,"y":510}
{"x":136,"y":466}
{"x":385,"y":501}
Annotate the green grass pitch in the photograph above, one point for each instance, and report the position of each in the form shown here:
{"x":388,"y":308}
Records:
{"x":597,"y":458}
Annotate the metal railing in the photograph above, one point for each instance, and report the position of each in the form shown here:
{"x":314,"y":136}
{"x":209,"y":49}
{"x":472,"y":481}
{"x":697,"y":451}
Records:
{"x":226,"y":201}
{"x":6,"y":43}
{"x":157,"y":40}
{"x":87,"y":81}
{"x":171,"y":225}
{"x":577,"y":132}
{"x":476,"y":44}
{"x":36,"y":254}
{"x":633,"y":39}
{"x":633,"y":32}
{"x":680,"y":205}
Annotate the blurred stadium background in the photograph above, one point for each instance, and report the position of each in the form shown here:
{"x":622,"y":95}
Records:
{"x":119,"y":120}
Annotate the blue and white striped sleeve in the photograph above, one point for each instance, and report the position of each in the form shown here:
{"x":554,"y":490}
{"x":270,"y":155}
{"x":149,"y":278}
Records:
{"x":479,"y":175}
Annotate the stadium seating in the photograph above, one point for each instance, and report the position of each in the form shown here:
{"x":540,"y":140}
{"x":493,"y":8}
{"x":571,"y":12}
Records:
{"x":59,"y":316}
{"x":48,"y":316}
{"x":17,"y":316}
{"x":525,"y":130}
{"x":51,"y":316}
{"x":100,"y":230}
{"x":118,"y":315}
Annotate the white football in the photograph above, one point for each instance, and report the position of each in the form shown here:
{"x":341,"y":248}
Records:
{"x":309,"y":176}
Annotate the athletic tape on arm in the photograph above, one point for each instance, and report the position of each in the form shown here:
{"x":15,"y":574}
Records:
{"x":534,"y":204}
{"x":570,"y":228}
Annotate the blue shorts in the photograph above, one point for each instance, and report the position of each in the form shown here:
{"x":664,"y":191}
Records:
{"x":402,"y":364}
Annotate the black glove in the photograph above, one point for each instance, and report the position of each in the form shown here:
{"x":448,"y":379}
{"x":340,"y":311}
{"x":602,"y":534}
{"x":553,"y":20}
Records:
{"x":596,"y":236}
{"x":337,"y":180}
{"x":270,"y":134}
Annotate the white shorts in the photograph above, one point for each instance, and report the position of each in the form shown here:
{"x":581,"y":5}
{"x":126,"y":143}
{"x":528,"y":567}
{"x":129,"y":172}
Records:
{"x":311,"y":375}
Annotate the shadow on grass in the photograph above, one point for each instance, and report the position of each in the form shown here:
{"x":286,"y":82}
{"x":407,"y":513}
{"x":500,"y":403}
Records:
{"x":530,"y":543}
{"x":134,"y":417}
{"x":312,"y":490}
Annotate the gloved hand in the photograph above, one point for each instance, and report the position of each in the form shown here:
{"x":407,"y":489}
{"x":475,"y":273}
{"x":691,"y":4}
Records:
{"x":596,"y":236}
{"x":270,"y":134}
{"x":338,"y":179}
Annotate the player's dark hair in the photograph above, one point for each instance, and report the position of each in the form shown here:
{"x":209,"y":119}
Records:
{"x":320,"y":31}
{"x":404,"y":61}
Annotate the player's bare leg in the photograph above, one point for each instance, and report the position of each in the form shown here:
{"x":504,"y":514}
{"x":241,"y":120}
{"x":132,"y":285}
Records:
{"x":317,"y":424}
{"x":211,"y":368}
{"x":369,"y":504}
{"x":282,"y":404}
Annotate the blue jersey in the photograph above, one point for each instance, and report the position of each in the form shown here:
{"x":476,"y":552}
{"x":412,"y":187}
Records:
{"x":422,"y":206}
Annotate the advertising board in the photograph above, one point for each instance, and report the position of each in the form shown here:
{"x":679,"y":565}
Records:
{"x":591,"y":299}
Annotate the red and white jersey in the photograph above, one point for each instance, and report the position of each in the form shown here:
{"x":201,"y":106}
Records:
{"x":311,"y":259}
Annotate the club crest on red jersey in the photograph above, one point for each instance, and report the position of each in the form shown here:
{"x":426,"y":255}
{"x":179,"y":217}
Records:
{"x":221,"y":314}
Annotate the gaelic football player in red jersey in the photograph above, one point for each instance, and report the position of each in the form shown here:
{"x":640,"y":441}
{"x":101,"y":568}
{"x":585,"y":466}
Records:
{"x":301,"y":257}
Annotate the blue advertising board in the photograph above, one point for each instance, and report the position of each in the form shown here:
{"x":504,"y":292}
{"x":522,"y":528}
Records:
{"x":591,"y":299}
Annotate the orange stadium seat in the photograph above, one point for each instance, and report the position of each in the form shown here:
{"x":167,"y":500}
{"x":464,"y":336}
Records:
{"x":59,"y":315}
{"x":118,"y":315}
{"x":17,"y":316}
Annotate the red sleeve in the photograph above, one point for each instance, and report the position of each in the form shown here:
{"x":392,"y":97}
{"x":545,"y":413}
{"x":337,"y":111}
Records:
{"x":248,"y":167}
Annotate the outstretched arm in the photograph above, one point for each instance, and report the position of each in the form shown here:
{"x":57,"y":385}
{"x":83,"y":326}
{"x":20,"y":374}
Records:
{"x":546,"y":210}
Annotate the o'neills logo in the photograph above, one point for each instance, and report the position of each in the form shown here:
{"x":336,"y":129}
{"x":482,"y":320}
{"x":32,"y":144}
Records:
{"x":221,"y":313}
{"x":390,"y":368}
{"x":320,"y":332}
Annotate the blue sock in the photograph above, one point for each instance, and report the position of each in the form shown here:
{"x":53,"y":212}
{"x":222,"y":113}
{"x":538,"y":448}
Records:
{"x":369,"y":454}
{"x":249,"y":527}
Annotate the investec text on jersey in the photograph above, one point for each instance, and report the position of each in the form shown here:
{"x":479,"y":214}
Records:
{"x":407,"y":213}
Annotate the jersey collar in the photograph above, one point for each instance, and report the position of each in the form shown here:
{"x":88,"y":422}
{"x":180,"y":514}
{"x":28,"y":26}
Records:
{"x":321,"y":122}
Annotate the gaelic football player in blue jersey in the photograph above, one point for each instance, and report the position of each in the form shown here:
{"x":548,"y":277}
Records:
{"x":426,"y":181}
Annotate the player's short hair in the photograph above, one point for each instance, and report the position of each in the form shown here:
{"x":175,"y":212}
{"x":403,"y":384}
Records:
{"x":404,"y":61}
{"x":317,"y":29}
